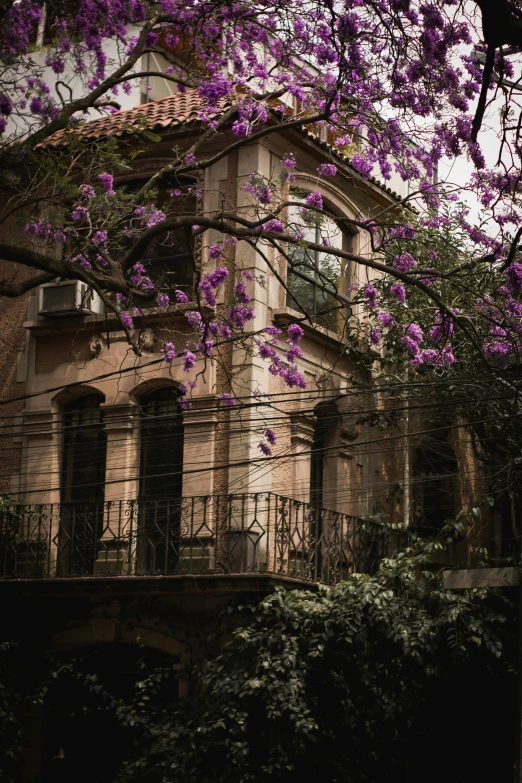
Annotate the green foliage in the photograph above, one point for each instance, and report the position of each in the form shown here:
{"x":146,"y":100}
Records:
{"x":328,"y":684}
{"x":338,"y":684}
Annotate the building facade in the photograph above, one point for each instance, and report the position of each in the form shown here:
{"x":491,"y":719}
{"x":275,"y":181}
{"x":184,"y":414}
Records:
{"x":131,"y":518}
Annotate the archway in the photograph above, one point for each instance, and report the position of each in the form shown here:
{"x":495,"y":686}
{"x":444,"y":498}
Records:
{"x":100,"y":707}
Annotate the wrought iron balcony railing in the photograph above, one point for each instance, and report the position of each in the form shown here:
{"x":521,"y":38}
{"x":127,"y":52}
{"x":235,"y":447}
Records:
{"x":261,"y":532}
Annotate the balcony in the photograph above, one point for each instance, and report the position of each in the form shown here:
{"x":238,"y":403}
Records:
{"x":230,"y":534}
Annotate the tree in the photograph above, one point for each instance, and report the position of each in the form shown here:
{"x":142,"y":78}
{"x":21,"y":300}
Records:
{"x":397,"y":87}
{"x":376,"y":75}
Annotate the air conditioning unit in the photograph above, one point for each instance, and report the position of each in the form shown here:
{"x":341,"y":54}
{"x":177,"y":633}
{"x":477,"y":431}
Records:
{"x":70,"y":297}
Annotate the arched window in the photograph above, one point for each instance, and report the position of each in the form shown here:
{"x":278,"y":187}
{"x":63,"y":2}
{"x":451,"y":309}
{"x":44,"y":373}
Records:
{"x":83,"y":485}
{"x":161,"y":481}
{"x":435,"y":473}
{"x":316,"y":280}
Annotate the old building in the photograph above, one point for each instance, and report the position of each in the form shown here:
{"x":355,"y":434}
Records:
{"x":132,"y":518}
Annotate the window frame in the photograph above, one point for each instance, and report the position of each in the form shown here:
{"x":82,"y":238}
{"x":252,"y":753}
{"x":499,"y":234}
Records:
{"x":316,"y":282}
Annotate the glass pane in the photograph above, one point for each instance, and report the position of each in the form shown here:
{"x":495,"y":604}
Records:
{"x":321,"y":270}
{"x":84,"y":451}
{"x":161,"y":445}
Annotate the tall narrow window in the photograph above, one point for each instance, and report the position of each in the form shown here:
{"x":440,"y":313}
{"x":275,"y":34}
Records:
{"x":83,"y":484}
{"x":161,"y":480}
{"x":84,"y":451}
{"x":316,"y":279}
{"x":161,"y":445}
{"x":435,"y":473}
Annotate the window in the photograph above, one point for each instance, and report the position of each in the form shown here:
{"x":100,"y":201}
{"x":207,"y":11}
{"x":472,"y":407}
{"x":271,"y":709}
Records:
{"x":170,"y":257}
{"x":161,"y":459}
{"x":315,"y":279}
{"x":83,"y":485}
{"x":435,"y":472}
{"x":161,"y":481}
{"x":84,"y":451}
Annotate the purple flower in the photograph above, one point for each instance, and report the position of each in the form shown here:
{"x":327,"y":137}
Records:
{"x":267,"y":451}
{"x":294,"y":353}
{"x":100,"y":238}
{"x":411,"y":345}
{"x":87,"y":191}
{"x":6,"y":106}
{"x":218,"y":276}
{"x":314,"y":200}
{"x":258,"y":188}
{"x":169,"y":352}
{"x":514,"y":276}
{"x":375,"y":335}
{"x":189,"y":360}
{"x":215,"y":251}
{"x":248,"y":275}
{"x":239,"y":315}
{"x":446,"y":355}
{"x":288,"y":162}
{"x":181,"y":297}
{"x":414,"y":331}
{"x":397,"y":290}
{"x":363,"y":166}
{"x":274,"y":225}
{"x":156,"y":216}
{"x":295,"y":333}
{"x":127,"y":320}
{"x":240,"y":128}
{"x":240,"y":293}
{"x":370,"y":293}
{"x":270,"y":436}
{"x":79,"y":213}
{"x":195,"y":320}
{"x":385,"y":318}
{"x":327,"y":170}
{"x":442,"y":328}
{"x":163,"y":301}
{"x":209,"y":294}
{"x":266,"y":351}
{"x":404,"y":263}
{"x":211,"y":283}
{"x":227,"y":400}
{"x":107,"y":183}
{"x":292,"y":377}
{"x":427,"y":356}
{"x":36,"y":105}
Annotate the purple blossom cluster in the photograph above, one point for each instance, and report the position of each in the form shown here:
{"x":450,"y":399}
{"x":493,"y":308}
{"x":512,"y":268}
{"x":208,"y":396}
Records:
{"x":259,"y":188}
{"x":404,"y":262}
{"x":271,"y":440}
{"x":210,"y":284}
{"x":327,"y":170}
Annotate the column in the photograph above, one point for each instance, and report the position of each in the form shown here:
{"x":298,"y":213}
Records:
{"x":117,"y":543}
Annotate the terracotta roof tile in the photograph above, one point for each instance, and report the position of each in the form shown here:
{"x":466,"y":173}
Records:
{"x":161,"y":113}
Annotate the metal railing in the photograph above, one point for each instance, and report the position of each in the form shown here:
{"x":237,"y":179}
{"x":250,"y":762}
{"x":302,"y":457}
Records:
{"x":244,"y":533}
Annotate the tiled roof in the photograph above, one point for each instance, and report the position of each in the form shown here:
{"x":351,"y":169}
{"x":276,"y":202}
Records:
{"x":165,"y":112}
{"x":176,"y":110}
